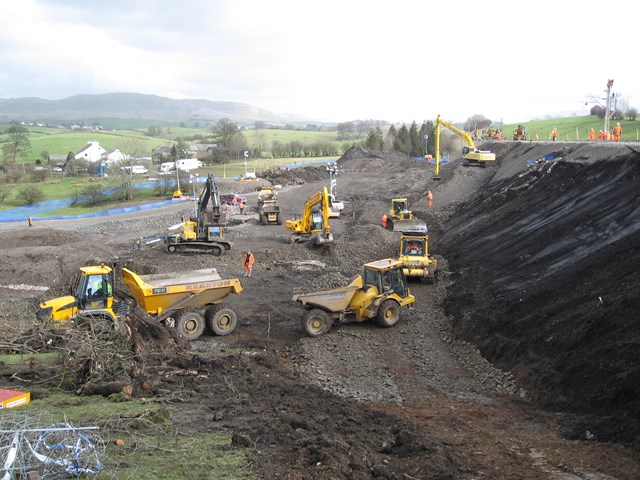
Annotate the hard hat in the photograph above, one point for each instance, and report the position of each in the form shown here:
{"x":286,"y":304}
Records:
{"x":618,"y":123}
{"x":247,"y":251}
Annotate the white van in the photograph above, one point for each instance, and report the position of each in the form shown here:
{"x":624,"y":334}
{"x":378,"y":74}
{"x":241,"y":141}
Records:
{"x":135,"y":170}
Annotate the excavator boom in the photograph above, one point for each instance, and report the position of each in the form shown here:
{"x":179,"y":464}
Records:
{"x":314,"y":220}
{"x":470,"y":152}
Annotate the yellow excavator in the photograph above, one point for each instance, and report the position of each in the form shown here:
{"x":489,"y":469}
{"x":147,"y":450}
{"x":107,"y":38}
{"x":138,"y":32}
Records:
{"x":315,"y":220}
{"x":469,"y":153}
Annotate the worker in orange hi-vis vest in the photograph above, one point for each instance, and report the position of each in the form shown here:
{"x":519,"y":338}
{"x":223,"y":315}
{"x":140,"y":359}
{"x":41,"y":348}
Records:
{"x":600,"y":135}
{"x":430,"y":199}
{"x":385,"y":221}
{"x":247,"y":262}
{"x":554,"y":134}
{"x":617,"y":131}
{"x":607,"y":135}
{"x":592,"y":134}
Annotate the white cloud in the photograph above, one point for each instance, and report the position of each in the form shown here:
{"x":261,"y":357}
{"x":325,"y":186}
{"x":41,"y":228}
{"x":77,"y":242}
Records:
{"x":339,"y":61}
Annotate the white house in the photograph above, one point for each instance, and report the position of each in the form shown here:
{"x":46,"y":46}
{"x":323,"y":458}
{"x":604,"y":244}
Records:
{"x":114,"y":156}
{"x":92,"y":152}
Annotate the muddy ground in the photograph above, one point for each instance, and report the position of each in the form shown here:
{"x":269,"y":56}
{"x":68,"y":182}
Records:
{"x":520,"y":362}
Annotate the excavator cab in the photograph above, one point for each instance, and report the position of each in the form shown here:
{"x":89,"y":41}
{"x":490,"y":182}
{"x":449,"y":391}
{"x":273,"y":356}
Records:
{"x":315,"y":220}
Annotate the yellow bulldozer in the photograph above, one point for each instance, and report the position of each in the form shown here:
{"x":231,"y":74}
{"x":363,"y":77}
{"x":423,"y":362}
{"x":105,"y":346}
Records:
{"x":414,"y":254}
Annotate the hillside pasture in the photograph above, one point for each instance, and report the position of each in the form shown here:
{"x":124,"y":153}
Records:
{"x":572,"y":128}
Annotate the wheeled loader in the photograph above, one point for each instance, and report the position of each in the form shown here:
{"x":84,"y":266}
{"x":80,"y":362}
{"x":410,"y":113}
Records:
{"x":379,"y":293}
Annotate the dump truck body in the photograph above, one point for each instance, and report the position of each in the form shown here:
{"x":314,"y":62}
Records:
{"x":158,"y":293}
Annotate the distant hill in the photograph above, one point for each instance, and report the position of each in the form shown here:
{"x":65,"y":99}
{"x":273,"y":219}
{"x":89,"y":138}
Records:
{"x":135,"y":110}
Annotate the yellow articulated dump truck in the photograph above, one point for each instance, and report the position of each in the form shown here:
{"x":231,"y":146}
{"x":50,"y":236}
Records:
{"x":186,"y":301}
{"x":378,"y":293}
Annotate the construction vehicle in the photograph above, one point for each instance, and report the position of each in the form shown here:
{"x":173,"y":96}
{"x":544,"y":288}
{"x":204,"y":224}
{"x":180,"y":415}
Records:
{"x":335,"y":205}
{"x":469,"y":153}
{"x":400,"y":218}
{"x":186,"y":301}
{"x":204,"y":232}
{"x":378,"y":293}
{"x":268,"y":208}
{"x":520,"y":133}
{"x":414,"y":253}
{"x":314,"y":223}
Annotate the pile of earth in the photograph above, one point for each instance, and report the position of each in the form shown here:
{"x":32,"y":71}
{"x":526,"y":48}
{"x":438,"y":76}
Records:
{"x":545,"y":282}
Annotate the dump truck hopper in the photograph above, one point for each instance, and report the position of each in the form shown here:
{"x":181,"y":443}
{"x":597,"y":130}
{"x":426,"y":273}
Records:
{"x":160,"y":294}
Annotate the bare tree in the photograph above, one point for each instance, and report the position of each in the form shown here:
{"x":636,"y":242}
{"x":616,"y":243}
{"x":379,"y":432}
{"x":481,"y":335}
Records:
{"x":476,"y":122}
{"x":31,"y":195}
{"x":131,"y":147}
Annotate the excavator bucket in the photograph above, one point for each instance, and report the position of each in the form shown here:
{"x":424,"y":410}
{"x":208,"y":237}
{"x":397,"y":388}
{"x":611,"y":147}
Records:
{"x":322,"y":239}
{"x":413,"y":225}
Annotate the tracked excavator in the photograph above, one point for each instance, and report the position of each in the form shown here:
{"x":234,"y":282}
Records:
{"x":469,"y":153}
{"x":202,"y":233}
{"x":314,"y":223}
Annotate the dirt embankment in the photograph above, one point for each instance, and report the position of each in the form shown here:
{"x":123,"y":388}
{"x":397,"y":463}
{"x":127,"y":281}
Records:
{"x":545,"y":282}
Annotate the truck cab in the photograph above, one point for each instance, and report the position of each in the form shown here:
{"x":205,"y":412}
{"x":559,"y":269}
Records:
{"x":91,"y":292}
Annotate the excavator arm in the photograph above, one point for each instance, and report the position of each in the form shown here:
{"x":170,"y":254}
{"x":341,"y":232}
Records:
{"x":310,"y":223}
{"x":470,"y":152}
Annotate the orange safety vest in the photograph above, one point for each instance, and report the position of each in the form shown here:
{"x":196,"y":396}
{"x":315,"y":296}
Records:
{"x":617,"y":130}
{"x":249,"y":259}
{"x":592,"y":134}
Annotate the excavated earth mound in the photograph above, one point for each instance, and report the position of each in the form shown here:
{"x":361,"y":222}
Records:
{"x":545,"y":282}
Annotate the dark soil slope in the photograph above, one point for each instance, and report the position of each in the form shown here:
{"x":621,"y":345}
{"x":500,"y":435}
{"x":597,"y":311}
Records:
{"x":545,"y":268}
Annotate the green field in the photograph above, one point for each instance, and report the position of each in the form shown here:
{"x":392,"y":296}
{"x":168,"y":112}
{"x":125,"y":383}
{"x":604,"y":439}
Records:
{"x":572,"y":128}
{"x":61,"y":142}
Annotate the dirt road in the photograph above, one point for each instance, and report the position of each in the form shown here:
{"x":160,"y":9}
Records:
{"x":417,"y":401}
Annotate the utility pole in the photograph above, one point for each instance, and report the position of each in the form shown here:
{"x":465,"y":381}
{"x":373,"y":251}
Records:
{"x":607,"y":112}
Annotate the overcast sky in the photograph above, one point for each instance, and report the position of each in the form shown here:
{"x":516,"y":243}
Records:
{"x":330,"y":60}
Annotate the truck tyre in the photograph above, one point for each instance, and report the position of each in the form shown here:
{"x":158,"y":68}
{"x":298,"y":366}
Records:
{"x":171,"y":248}
{"x":190,"y":325}
{"x":388,"y":313}
{"x":316,"y":322}
{"x":221,"y":321}
{"x":279,"y":220}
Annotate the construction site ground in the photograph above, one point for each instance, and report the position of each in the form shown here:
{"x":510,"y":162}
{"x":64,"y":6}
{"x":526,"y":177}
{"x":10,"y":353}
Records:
{"x":521,"y":361}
